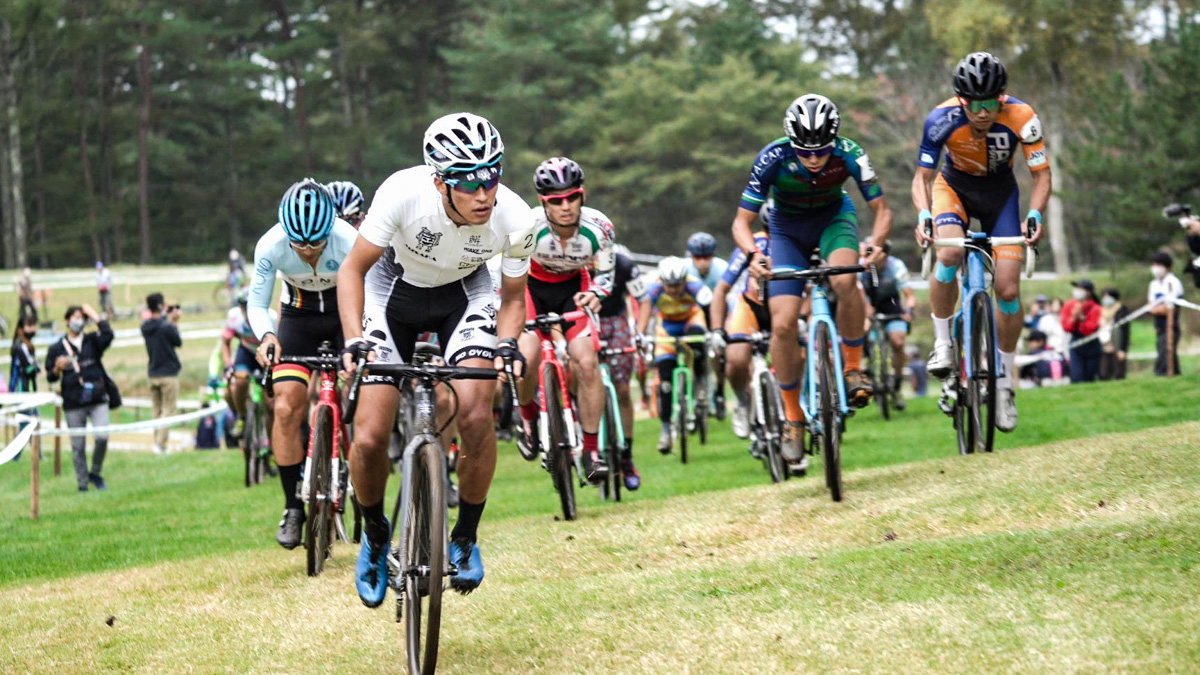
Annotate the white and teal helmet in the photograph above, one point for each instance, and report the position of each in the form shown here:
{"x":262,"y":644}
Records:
{"x":307,"y":212}
{"x":461,"y":142}
{"x":346,"y":197}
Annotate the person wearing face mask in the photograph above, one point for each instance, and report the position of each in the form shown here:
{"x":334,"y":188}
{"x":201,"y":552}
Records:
{"x":75,"y":360}
{"x":1164,"y":290}
{"x":1114,"y":335}
{"x":1080,"y":318}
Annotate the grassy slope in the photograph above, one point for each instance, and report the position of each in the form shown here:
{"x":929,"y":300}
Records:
{"x":1072,"y":556}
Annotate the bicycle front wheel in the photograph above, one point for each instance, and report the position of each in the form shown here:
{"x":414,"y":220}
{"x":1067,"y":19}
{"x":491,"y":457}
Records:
{"x":962,"y":392}
{"x":681,"y":413}
{"x":883,"y":375}
{"x":771,"y":400}
{"x":319,"y":535}
{"x":611,"y":487}
{"x":983,"y":381}
{"x":561,"y":454}
{"x":249,"y":444}
{"x":831,"y":433}
{"x":423,"y":564}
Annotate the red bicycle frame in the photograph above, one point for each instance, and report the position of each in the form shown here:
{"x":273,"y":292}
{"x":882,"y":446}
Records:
{"x":327,"y":397}
{"x":543,"y":326}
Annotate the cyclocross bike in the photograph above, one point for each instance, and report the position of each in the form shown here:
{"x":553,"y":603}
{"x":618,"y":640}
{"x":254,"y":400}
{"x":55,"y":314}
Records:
{"x":325,"y":487}
{"x":612,"y":429}
{"x":880,"y":363}
{"x":557,"y":423}
{"x":971,"y":389}
{"x":256,"y":436}
{"x":823,"y":397}
{"x":418,"y":559}
{"x":766,"y":408}
{"x":691,"y":415}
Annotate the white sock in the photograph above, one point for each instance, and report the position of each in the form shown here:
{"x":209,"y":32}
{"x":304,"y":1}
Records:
{"x":1008,"y":363}
{"x":941,"y":331}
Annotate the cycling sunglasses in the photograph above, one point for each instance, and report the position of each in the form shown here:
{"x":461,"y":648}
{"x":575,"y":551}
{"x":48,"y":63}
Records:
{"x":973,"y":107}
{"x":559,"y":200}
{"x":308,"y":247}
{"x":487,"y":177}
{"x":807,"y":153}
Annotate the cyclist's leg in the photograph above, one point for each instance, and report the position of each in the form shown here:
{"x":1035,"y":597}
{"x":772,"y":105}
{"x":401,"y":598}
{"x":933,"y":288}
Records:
{"x":696,"y":325}
{"x":530,"y":349}
{"x":1010,"y":320}
{"x":839,"y":246}
{"x":897,"y":332}
{"x":742,"y":322}
{"x":785,"y":301}
{"x":950,"y":219}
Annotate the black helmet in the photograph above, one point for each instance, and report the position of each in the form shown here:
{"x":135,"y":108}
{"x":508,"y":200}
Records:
{"x":812,"y":121}
{"x":980,"y":76}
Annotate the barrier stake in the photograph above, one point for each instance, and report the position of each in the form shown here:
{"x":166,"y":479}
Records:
{"x":1170,"y":340}
{"x":35,"y":482}
{"x":57,"y":441}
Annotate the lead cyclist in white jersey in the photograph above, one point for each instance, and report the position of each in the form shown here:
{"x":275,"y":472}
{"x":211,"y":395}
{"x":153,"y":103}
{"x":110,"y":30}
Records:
{"x":305,"y":247}
{"x":419,"y":264}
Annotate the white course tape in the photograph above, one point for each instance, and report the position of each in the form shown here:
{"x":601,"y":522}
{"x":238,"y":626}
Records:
{"x":1136,"y":314}
{"x":22,"y":439}
{"x":14,"y":403}
{"x":136,"y":426}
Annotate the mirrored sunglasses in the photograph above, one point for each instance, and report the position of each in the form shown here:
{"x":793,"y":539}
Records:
{"x":559,"y":200}
{"x":487,"y":178}
{"x":807,"y":153}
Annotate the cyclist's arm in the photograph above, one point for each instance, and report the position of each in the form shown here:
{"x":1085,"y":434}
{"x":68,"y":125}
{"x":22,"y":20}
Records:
{"x":605,"y":262}
{"x":350,"y":277}
{"x":1039,"y":195}
{"x":262,"y":287}
{"x":226,"y":351}
{"x":910,"y":299}
{"x":510,"y":320}
{"x":644,"y":311}
{"x":922,"y":188}
{"x":882,"y":227}
{"x":743,"y":233}
{"x":717,"y":312}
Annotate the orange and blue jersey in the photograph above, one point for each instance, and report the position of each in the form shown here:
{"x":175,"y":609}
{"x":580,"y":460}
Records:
{"x":992,"y":156}
{"x":798,"y":191}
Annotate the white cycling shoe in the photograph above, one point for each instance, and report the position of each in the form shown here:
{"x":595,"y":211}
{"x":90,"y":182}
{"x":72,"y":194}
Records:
{"x":941,"y":361}
{"x":741,"y":422}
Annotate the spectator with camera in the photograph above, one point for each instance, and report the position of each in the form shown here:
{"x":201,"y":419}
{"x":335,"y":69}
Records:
{"x":161,"y":332}
{"x":87,"y":391}
{"x":1165,"y":288}
{"x":1191,"y":225}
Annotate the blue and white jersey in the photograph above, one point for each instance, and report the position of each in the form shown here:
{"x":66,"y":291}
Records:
{"x":312,"y":289}
{"x":715,"y":271}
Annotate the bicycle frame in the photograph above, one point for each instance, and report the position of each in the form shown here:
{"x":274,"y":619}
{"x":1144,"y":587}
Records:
{"x":974,"y":282}
{"x":545,"y":334}
{"x":821,"y":315}
{"x":685,"y":358}
{"x":610,"y":391}
{"x":327,"y":398}
{"x":425,"y":421}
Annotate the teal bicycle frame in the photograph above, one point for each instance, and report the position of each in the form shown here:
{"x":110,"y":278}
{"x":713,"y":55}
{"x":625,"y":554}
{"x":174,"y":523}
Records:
{"x":821,"y":314}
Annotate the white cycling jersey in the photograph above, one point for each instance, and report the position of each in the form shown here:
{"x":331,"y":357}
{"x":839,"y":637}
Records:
{"x":556,"y":260}
{"x":427,"y":248}
{"x":304,"y":287}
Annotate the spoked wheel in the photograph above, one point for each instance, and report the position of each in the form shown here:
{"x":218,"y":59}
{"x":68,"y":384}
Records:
{"x":831,"y":433}
{"x":561,"y":459}
{"x":611,"y":487}
{"x":319,"y":535}
{"x":771,"y":401}
{"x":982,"y":398}
{"x":681,"y":415}
{"x":250,"y":445}
{"x":962,"y":423}
{"x":423,"y":566}
{"x":883,"y":378}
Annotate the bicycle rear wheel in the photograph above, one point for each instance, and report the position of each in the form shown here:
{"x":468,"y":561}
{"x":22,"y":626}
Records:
{"x":681,"y":413}
{"x":561,"y":456}
{"x":831,"y":433}
{"x":249,"y":444}
{"x":771,"y":400}
{"x":319,"y":535}
{"x":983,"y":382}
{"x":423,"y":565}
{"x":883,"y":376}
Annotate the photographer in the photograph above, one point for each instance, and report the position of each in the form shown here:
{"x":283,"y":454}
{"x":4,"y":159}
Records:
{"x":75,"y":359}
{"x":161,"y":333}
{"x":1191,"y":224}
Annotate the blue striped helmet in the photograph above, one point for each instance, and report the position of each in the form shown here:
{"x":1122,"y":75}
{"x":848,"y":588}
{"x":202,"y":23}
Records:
{"x":307,"y":212}
{"x":346,"y":197}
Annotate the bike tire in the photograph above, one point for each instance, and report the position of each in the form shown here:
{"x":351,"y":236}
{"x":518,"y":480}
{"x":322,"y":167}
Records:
{"x":561,"y":454}
{"x":319,"y":535}
{"x":831,"y":434}
{"x":249,"y":450}
{"x":681,"y":414}
{"x":611,"y":487}
{"x":424,"y":548}
{"x":262,"y":465}
{"x":883,"y":375}
{"x":962,"y":422}
{"x":772,"y":402}
{"x":983,"y":388}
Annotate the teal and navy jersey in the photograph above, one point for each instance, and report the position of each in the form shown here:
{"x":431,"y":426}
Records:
{"x":798,"y":191}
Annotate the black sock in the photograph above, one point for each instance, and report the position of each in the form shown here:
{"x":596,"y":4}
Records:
{"x":375,"y":525}
{"x":627,"y":451}
{"x":468,"y":520}
{"x":289,"y":476}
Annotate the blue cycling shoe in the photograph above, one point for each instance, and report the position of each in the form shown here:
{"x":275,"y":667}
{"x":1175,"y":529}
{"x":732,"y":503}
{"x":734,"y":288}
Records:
{"x":465,"y":555}
{"x":633,"y":479}
{"x":370,"y":573}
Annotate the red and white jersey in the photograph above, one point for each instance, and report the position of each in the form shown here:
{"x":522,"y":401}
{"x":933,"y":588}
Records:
{"x":591,"y":246}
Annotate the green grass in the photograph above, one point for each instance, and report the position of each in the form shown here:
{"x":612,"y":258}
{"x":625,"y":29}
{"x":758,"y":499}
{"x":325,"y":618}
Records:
{"x":189,"y":505}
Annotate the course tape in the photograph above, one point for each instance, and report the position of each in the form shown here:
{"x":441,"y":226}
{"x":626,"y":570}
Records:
{"x":136,"y":426}
{"x":10,"y":451}
{"x":1136,"y":314}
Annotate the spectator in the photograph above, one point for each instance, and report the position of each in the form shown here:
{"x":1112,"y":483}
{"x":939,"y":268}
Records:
{"x":1193,"y":242}
{"x":1114,"y":336}
{"x":1050,"y":324}
{"x":162,"y":338}
{"x":104,"y":285}
{"x":1081,"y":319}
{"x":24,"y":286}
{"x":1165,"y":288}
{"x":75,"y":359}
{"x":916,"y":366}
{"x":1047,"y":364}
{"x":1036,"y":312}
{"x":24,"y":365}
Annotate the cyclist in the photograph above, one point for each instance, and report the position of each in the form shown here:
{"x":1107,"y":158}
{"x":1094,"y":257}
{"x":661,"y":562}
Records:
{"x":703,"y":263}
{"x":805,"y":171}
{"x":349,"y":201}
{"x":893,"y":295}
{"x":748,"y":316}
{"x":980,"y":129}
{"x":305,"y":247}
{"x":680,"y":304}
{"x":419,"y":264}
{"x":616,"y":330}
{"x":569,"y":238}
{"x":243,"y":361}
